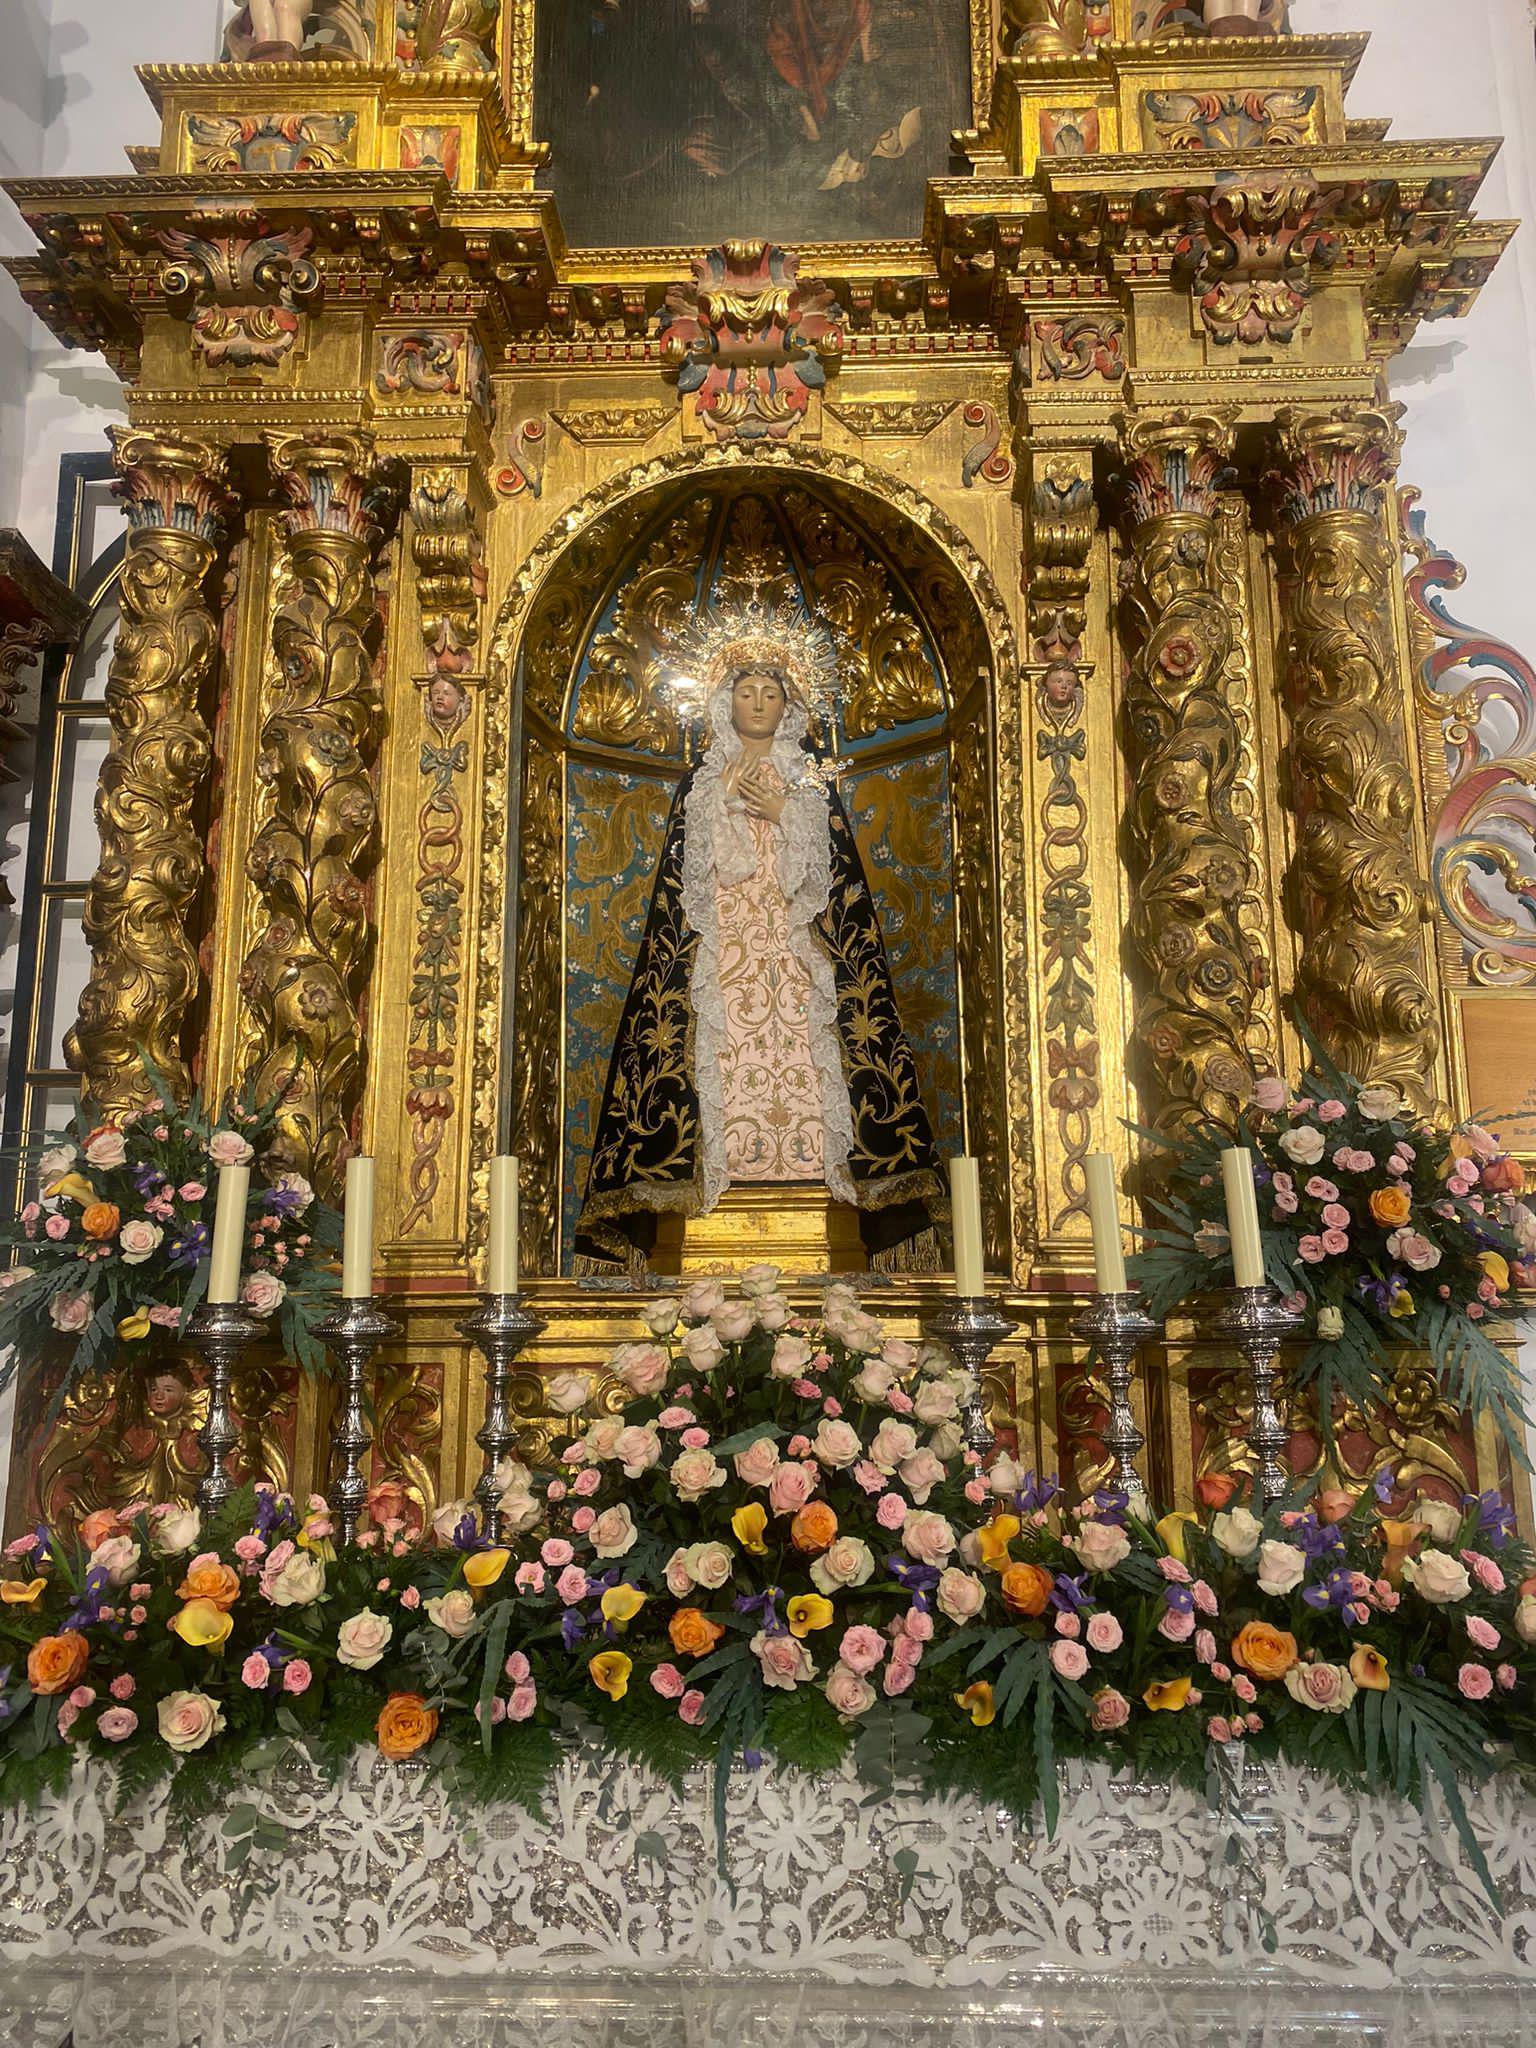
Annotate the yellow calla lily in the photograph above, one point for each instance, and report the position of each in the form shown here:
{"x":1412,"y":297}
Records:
{"x":22,"y":1592}
{"x":620,"y":1604}
{"x":807,"y":1611}
{"x":1170,"y":1533}
{"x":202,"y":1625}
{"x":136,"y":1325}
{"x":1402,"y":1304}
{"x":1170,"y":1696}
{"x":977,"y":1701}
{"x":609,"y":1671}
{"x":483,"y":1568}
{"x":1496,"y":1267}
{"x":74,"y":1187}
{"x":748,"y":1525}
{"x":993,"y":1539}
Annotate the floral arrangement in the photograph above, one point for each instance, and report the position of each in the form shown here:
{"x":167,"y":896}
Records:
{"x":779,"y":1547}
{"x":115,"y":1245}
{"x":1378,"y":1227}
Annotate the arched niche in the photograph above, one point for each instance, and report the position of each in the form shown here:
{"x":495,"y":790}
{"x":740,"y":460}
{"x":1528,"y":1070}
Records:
{"x":594,"y":752}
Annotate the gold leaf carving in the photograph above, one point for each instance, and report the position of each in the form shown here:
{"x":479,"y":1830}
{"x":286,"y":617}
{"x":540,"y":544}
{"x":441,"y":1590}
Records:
{"x":615,"y":422}
{"x":905,"y":419}
{"x":621,"y":702}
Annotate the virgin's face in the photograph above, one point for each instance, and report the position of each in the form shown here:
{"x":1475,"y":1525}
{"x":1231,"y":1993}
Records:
{"x":757,"y":706}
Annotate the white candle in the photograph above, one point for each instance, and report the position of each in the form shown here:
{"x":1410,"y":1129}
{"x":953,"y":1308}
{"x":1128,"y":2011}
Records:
{"x":228,"y":1234}
{"x":501,"y":1248}
{"x":357,"y":1229}
{"x":1104,"y":1216}
{"x":965,"y":1209}
{"x":1243,"y":1217}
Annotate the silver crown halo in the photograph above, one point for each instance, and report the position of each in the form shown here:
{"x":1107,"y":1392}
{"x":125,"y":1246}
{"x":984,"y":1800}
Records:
{"x":778,"y":636}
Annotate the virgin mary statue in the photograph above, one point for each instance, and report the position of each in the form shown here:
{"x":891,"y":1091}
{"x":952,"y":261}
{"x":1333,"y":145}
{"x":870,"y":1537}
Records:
{"x":760,"y":1040}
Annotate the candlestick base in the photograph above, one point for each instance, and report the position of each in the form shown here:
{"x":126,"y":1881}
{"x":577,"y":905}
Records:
{"x":1117,"y":1326}
{"x":972,"y":1326}
{"x":355,"y":1329}
{"x":220,"y":1330}
{"x":500,"y":1328}
{"x":1259,"y":1323}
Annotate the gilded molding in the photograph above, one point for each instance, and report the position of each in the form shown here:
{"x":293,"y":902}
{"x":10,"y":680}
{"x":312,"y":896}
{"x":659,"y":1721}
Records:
{"x":1361,"y":901}
{"x":138,"y":910}
{"x":1249,"y":251}
{"x":303,"y":979}
{"x":449,"y":554}
{"x":1193,"y":857}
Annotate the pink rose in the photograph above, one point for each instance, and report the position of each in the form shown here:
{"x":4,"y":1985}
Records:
{"x":899,"y":1676}
{"x":893,"y":1441}
{"x":927,"y":1537}
{"x":192,"y":1190}
{"x":1176,"y":1627}
{"x":262,"y":1293}
{"x":1330,"y":1111}
{"x":296,"y":1675}
{"x":411,"y":1597}
{"x":697,"y":1472}
{"x":123,"y":1686}
{"x":837,"y":1444}
{"x":255,"y":1671}
{"x":637,"y":1448}
{"x":1219,"y":1728}
{"x":1204,"y":1597}
{"x":1105,"y":1635}
{"x":572,"y":1585}
{"x":69,"y":1313}
{"x":556,"y":1552}
{"x":1175,"y":1569}
{"x":56,"y":1227}
{"x":1335,"y":1243}
{"x":613,"y":1534}
{"x":1110,"y":1710}
{"x":529,"y":1577}
{"x":587,"y":1481}
{"x":643,"y":1368}
{"x":668,"y":1681}
{"x":756,"y":1465}
{"x":679,"y":1578}
{"x":694,"y":1439}
{"x":116,"y":1724}
{"x":1245,"y":1688}
{"x":1475,"y":1681}
{"x":891,"y":1510}
{"x":525,"y":1698}
{"x":921,"y":1473}
{"x":784,"y":1661}
{"x":849,"y":1691}
{"x":1312,"y":1250}
{"x":250,"y":1549}
{"x":1068,"y":1624}
{"x":960,"y":1594}
{"x":105,"y":1147}
{"x":1505,"y":1675}
{"x":1100,"y":1545}
{"x":583,"y":1517}
{"x":690,"y":1707}
{"x":791,"y":1488}
{"x":1269,"y":1095}
{"x":861,"y":1649}
{"x":1484,"y":1570}
{"x":1068,"y":1659}
{"x":1205,"y":1646}
{"x":1482,"y":1632}
{"x":1336,"y":1216}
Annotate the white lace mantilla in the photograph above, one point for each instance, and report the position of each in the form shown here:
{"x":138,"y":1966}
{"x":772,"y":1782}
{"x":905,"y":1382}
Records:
{"x":1309,"y":1900}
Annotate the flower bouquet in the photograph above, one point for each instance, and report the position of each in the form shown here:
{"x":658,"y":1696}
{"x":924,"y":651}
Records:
{"x":114,"y":1247}
{"x":1380,"y":1228}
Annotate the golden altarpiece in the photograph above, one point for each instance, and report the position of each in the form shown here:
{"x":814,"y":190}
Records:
{"x":1151,"y":719}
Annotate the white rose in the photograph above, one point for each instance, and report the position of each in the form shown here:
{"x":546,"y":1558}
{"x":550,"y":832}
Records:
{"x":661,"y":1316}
{"x":761,"y":1280}
{"x":454,"y":1612}
{"x":935,"y":1402}
{"x":1525,"y":1618}
{"x":1330,"y":1324}
{"x":105,"y":1147}
{"x":55,"y":1163}
{"x":519,"y":1509}
{"x":362,"y":1640}
{"x":1379,"y":1103}
{"x":637,"y":1448}
{"x":1237,"y":1533}
{"x":173,"y":1530}
{"x":702,"y":1299}
{"x":188,"y":1720}
{"x":773,"y":1312}
{"x":927,"y":1537}
{"x":892,"y":1442}
{"x":118,"y":1557}
{"x":874,"y":1380}
{"x":921,"y":1473}
{"x":696,"y":1473}
{"x":1437,"y":1577}
{"x":947,"y":1441}
{"x":567,"y":1392}
{"x":1006,"y":1477}
{"x":642,"y":1368}
{"x":1437,"y":1516}
{"x":614,"y":1534}
{"x":847,"y":1561}
{"x":1282,"y":1567}
{"x":263,"y":1292}
{"x":961,"y":1595}
{"x":228,"y":1148}
{"x":448,"y":1518}
{"x":791,"y":1355}
{"x":679,"y":1578}
{"x":138,"y":1238}
{"x":708,"y":1564}
{"x":301,"y":1580}
{"x":1100,"y":1545}
{"x":1304,"y":1146}
{"x":702,"y":1348}
{"x":836,"y":1443}
{"x":734,"y":1321}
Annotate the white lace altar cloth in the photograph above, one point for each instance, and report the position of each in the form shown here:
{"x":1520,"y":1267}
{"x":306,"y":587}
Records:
{"x":1302,"y":1913}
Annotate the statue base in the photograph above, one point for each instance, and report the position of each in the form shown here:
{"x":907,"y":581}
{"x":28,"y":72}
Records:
{"x":799,"y":1227}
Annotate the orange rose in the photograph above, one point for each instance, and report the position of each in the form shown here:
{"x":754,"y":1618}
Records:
{"x":1391,"y":1207}
{"x":692,"y":1632}
{"x":1215,"y":1489}
{"x":217,"y":1582}
{"x":406,"y":1724}
{"x":813,"y":1527}
{"x":54,"y":1663}
{"x":1026,"y":1588}
{"x":100,"y":1219}
{"x":1266,"y":1652}
{"x":96,"y":1528}
{"x":1504,"y":1176}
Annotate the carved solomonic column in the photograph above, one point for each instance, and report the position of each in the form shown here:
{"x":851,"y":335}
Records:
{"x":303,"y":978}
{"x":144,"y":970}
{"x":1192,"y":853}
{"x":1360,"y":897}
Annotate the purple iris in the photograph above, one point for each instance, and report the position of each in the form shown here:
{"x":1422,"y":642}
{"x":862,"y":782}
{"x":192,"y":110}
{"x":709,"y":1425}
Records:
{"x":466,"y":1533}
{"x":1110,"y":1505}
{"x":86,"y":1611}
{"x":1337,"y":1591}
{"x":1495,"y":1518}
{"x":572,"y":1628}
{"x":268,"y":1515}
{"x":1037,"y":1492}
{"x":147,"y":1178}
{"x":917,"y":1578}
{"x":1385,"y":1487}
{"x":1069,"y":1597}
{"x":282,"y":1201}
{"x":763,"y":1605}
{"x":187,"y":1246}
{"x":1180,"y":1599}
{"x":1317,"y":1539}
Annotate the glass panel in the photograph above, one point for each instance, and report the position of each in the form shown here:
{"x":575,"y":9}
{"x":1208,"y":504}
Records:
{"x":86,"y":673}
{"x":50,"y":1105}
{"x":101,"y":519}
{"x":76,"y":842}
{"x":66,"y":963}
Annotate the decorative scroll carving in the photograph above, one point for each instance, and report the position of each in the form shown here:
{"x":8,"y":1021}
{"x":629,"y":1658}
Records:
{"x":408,"y":1434}
{"x":270,"y":142}
{"x":1044,"y":28}
{"x":1249,"y":251}
{"x":1193,"y":856}
{"x":536,"y":1070}
{"x":1063,"y":519}
{"x":450,"y":570}
{"x":525,"y":460}
{"x":621,"y":702}
{"x":1480,"y":696}
{"x":1359,"y":897}
{"x":1231,"y":118}
{"x":303,"y":977}
{"x":242,"y":291}
{"x":750,"y":340}
{"x":144,"y":970}
{"x":889,"y":679}
{"x":984,"y":459}
{"x":893,"y":419}
{"x":425,"y":361}
{"x":1081,"y":346}
{"x":614,"y":422}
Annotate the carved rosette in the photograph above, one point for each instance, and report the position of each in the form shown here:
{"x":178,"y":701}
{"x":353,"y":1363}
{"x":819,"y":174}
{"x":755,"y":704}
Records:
{"x":1194,"y":863}
{"x":1359,"y":895}
{"x":144,"y":970}
{"x":303,"y":978}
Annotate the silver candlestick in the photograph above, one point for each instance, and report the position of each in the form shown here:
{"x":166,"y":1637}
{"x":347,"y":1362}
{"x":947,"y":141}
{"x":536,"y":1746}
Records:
{"x":221,"y":1330}
{"x":1259,"y":1323}
{"x":355,"y":1329}
{"x":500,"y":1327}
{"x":1117,"y":1326}
{"x":972,"y":1326}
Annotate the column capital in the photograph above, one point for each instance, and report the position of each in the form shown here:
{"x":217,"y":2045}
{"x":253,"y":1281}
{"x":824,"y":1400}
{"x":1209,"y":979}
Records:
{"x":1063,"y":518}
{"x":1343,"y":460}
{"x":1174,"y":462}
{"x":336,"y":483}
{"x":167,"y":481}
